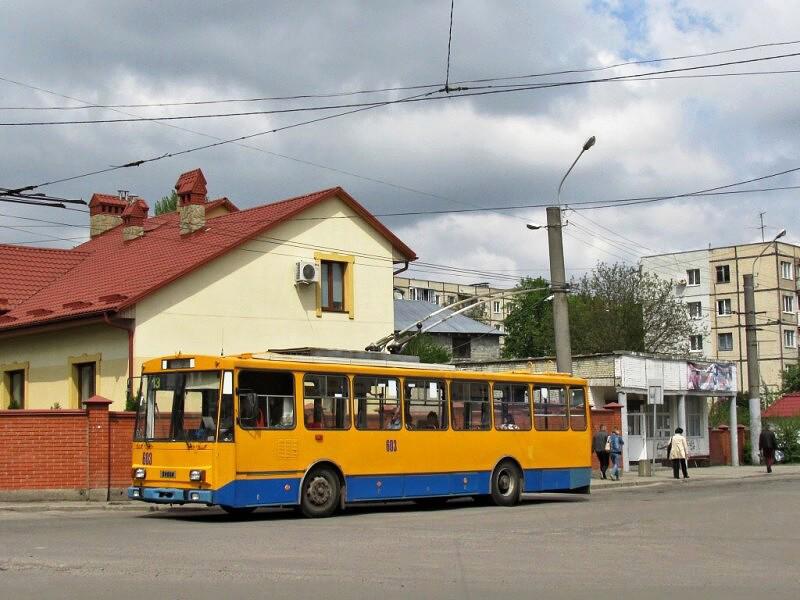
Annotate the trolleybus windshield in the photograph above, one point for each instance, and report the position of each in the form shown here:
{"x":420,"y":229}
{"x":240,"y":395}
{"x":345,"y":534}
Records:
{"x":180,"y":406}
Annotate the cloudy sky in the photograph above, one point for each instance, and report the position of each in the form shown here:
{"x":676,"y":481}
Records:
{"x":654,"y":137}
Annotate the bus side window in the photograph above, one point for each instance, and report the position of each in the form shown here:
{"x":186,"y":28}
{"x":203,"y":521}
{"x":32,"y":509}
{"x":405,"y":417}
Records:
{"x":326,"y":401}
{"x":577,"y":409}
{"x":266,"y":400}
{"x":469,"y":404}
{"x":377,"y":402}
{"x":549,"y":408}
{"x":226,"y":408}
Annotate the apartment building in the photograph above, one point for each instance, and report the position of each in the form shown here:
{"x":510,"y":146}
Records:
{"x":710,"y":282}
{"x":444,"y":293}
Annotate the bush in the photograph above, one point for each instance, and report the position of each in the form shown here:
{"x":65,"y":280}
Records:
{"x":787,"y":432}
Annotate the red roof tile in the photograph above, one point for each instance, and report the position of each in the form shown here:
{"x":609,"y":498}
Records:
{"x":788,"y":406}
{"x":27,"y":270}
{"x":109,"y":274}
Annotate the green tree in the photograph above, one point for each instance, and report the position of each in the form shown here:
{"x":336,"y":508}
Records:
{"x":790,"y":379}
{"x":427,"y":350}
{"x":167,"y":204}
{"x":529,"y":323}
{"x":615,"y":307}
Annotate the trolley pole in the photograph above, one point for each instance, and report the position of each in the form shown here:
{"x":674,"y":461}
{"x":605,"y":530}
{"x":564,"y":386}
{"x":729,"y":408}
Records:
{"x":753,"y":375}
{"x":558,"y":285}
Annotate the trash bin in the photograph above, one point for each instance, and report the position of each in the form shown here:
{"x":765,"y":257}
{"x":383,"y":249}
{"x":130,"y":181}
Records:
{"x":644,"y":468}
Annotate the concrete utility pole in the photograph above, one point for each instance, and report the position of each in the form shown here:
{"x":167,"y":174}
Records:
{"x":558,"y":276}
{"x":751,"y":338}
{"x":753,"y":375}
{"x":558,"y":285}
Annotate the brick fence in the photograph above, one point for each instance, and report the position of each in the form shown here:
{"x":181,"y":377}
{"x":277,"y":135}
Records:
{"x":611,"y":417}
{"x":65,"y":454}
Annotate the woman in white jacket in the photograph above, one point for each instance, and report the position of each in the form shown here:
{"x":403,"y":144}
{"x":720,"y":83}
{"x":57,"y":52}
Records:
{"x":678,"y":453}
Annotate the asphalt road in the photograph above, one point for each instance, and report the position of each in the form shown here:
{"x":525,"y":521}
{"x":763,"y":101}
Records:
{"x":693,"y":540}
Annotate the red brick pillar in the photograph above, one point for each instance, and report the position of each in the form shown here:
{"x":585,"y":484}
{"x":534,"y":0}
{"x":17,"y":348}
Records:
{"x":98,"y":468}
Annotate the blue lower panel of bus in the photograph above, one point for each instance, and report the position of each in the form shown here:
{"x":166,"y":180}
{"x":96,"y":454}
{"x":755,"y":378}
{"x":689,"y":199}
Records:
{"x":554,"y":480}
{"x":284,"y":490}
{"x":258,"y":492}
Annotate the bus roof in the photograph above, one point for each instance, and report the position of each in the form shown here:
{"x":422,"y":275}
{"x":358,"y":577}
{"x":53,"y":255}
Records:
{"x":340,"y":364}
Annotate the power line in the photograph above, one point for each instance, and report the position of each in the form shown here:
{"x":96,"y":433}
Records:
{"x":90,"y":105}
{"x":426,"y":97}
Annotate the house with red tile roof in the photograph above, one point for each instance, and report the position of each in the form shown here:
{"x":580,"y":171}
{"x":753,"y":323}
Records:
{"x":314,"y":270}
{"x":786,"y":406}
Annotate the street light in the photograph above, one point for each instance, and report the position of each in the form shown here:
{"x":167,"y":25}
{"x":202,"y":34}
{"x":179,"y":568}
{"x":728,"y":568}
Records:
{"x":753,"y":370}
{"x":781,"y":233}
{"x":558,"y":277}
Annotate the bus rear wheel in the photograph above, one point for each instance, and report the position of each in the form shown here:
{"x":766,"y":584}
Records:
{"x":321,"y":491}
{"x":506,"y":484}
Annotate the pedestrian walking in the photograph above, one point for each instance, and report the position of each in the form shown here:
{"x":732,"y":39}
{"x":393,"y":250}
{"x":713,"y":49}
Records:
{"x":601,"y":447}
{"x":615,"y":444}
{"x":678,"y":452}
{"x":767,"y":444}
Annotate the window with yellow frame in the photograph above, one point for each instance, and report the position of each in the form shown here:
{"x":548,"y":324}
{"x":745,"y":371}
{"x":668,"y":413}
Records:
{"x":335,"y":290}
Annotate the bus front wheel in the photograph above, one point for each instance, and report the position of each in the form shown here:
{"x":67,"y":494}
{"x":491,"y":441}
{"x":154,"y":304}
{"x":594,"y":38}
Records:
{"x":321,"y":491}
{"x":506,"y":484}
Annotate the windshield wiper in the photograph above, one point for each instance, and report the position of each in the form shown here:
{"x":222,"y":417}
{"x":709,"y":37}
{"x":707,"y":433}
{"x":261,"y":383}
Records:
{"x":186,"y":439}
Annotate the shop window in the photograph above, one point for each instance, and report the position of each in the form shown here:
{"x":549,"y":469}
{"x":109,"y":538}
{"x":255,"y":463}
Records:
{"x":469,"y":406}
{"x":512,"y":407}
{"x":549,"y":408}
{"x":378,"y":403}
{"x":426,"y":404}
{"x":326,"y":403}
{"x":694,"y":417}
{"x":266,"y":400}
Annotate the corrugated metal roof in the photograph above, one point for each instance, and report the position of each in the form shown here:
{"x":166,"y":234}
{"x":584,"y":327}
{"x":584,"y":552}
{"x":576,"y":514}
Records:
{"x":409,"y":312}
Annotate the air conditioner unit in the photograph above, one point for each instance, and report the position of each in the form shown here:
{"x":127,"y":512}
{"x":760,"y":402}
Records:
{"x":681,"y":281}
{"x":306,"y":272}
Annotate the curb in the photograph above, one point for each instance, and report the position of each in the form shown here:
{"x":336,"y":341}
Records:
{"x":696,"y":481}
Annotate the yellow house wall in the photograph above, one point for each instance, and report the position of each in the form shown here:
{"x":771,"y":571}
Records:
{"x":50,"y":358}
{"x":247,"y":301}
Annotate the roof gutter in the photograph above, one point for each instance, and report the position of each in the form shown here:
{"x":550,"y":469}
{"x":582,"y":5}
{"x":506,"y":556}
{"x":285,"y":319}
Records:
{"x":129,"y":327}
{"x":401,"y":269}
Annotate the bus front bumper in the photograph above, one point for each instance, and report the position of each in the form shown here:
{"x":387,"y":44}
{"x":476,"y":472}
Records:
{"x":170,"y":495}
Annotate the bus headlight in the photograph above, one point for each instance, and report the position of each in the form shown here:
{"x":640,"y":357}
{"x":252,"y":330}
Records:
{"x":139,"y":473}
{"x":197,"y":475}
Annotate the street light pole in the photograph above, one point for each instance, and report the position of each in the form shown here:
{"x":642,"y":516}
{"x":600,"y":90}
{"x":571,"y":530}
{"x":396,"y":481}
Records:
{"x":558,"y":277}
{"x":751,"y":338}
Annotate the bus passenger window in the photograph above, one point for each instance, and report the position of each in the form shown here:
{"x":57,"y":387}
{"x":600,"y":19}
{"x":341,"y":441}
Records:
{"x":549,"y":408}
{"x":426,"y":404}
{"x":469,"y":406}
{"x":326,"y":401}
{"x":577,"y":409}
{"x":377,"y":402}
{"x":266,"y":400}
{"x":512,"y":408}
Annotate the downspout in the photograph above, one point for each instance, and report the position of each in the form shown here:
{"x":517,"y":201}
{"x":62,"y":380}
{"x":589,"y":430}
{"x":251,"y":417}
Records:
{"x":401,"y":269}
{"x":129,"y":329}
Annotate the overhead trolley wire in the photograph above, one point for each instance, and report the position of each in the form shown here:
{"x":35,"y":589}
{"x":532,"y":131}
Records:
{"x":461,"y":92}
{"x":305,"y":96}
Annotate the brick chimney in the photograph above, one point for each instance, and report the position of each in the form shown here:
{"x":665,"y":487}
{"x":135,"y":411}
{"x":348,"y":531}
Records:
{"x":191,"y":190}
{"x":105,"y":212}
{"x":133,"y":219}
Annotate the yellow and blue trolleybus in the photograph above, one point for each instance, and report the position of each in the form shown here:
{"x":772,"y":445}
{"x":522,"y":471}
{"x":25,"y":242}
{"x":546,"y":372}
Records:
{"x":247,"y":431}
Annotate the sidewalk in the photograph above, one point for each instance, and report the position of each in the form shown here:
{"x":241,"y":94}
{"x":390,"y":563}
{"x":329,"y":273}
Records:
{"x":663,"y":475}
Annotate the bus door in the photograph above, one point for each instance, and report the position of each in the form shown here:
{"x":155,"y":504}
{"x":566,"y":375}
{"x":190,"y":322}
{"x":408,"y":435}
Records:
{"x":266,"y":444}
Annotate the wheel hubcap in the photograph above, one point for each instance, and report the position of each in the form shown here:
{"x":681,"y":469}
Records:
{"x":505,"y":483}
{"x":319,"y":491}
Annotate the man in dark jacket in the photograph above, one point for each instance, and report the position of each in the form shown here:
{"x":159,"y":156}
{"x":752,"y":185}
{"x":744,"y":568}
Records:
{"x":767,"y":443}
{"x":599,"y":441}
